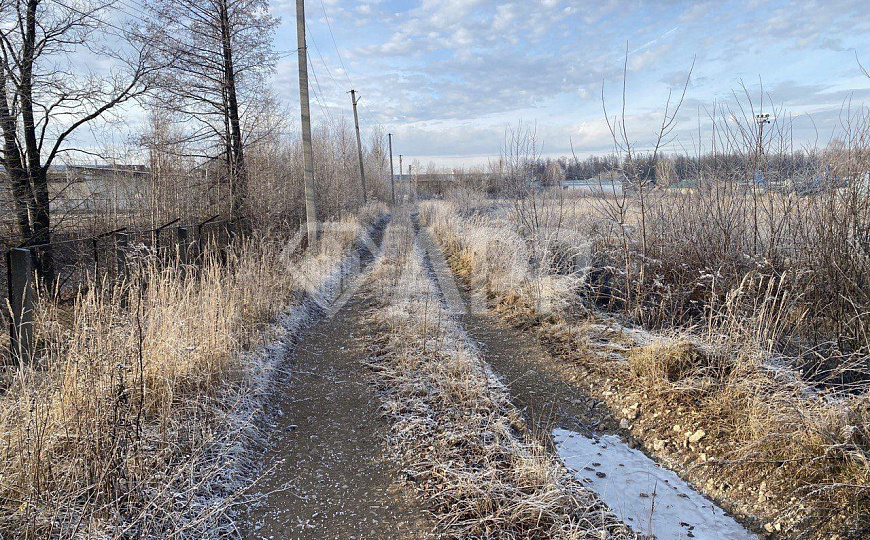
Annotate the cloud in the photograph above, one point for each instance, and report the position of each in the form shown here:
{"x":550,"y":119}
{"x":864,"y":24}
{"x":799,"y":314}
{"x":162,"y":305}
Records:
{"x":453,"y":72}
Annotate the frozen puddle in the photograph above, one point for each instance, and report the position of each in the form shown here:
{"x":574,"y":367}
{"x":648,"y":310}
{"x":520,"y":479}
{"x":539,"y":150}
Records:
{"x":649,"y":498}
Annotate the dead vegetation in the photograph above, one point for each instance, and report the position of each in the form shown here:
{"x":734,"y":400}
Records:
{"x":466,"y":448}
{"x":137,"y":418}
{"x":733,"y":413}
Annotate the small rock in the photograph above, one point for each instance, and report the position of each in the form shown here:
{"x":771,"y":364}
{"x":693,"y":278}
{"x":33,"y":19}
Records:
{"x":600,"y":474}
{"x":697,"y":436}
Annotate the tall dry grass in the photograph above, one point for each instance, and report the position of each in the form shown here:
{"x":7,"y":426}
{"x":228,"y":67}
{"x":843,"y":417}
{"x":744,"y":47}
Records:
{"x":738,"y":370}
{"x":136,"y":418}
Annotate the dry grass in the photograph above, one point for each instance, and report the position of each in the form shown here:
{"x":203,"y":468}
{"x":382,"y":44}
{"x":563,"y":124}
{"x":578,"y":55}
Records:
{"x":774,"y":445}
{"x":136,"y":420}
{"x":466,"y":448}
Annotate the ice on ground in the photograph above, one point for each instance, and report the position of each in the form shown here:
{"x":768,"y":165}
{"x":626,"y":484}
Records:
{"x":649,"y":498}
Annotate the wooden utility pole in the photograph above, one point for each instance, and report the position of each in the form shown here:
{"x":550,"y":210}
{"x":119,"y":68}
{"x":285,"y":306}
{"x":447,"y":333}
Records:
{"x":392,"y":174}
{"x":307,"y":152}
{"x":362,"y":170}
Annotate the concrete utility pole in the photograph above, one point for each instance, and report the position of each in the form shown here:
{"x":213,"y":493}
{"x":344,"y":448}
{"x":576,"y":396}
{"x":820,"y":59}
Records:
{"x":392,"y":174}
{"x":761,"y":119}
{"x":307,"y":152}
{"x":401,"y":171}
{"x":362,"y":170}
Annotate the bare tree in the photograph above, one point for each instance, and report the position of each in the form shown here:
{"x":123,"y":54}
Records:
{"x":45,"y":98}
{"x":220,"y":52}
{"x":638,"y":172}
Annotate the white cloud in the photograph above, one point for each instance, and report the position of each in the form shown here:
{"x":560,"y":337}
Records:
{"x":452,"y":72}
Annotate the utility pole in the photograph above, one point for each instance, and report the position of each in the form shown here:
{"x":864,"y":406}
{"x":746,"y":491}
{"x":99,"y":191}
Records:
{"x":759,"y":177}
{"x":401,"y":172}
{"x":761,"y":119}
{"x":362,"y":170}
{"x":307,"y":152}
{"x":392,"y":174}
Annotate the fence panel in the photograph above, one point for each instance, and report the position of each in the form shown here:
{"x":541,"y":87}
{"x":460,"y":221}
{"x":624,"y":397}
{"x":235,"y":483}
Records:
{"x":80,"y":263}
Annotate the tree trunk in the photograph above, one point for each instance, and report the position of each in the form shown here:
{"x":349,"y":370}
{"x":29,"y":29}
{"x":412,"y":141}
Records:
{"x":25,"y":203}
{"x":237,"y":171}
{"x":40,"y":218}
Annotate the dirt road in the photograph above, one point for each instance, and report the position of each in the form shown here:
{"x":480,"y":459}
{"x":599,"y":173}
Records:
{"x":543,"y":389}
{"x":332,"y":477}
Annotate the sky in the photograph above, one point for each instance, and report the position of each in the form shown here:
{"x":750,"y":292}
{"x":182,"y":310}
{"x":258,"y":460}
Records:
{"x":448,"y":77}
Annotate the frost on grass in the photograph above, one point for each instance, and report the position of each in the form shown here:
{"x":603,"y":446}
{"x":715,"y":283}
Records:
{"x":138,"y":419}
{"x":466,"y":448}
{"x":779,"y":447}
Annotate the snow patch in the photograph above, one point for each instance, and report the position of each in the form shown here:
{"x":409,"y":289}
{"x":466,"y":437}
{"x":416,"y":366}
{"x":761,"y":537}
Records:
{"x":651,"y":499}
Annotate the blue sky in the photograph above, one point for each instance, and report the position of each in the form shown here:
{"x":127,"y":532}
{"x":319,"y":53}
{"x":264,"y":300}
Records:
{"x":447,"y":76}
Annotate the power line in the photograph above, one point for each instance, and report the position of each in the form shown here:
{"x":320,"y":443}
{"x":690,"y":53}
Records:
{"x":329,"y":71}
{"x":341,"y":59}
{"x":319,"y":93}
{"x":323,"y":61}
{"x":335,"y":44}
{"x":140,"y":19}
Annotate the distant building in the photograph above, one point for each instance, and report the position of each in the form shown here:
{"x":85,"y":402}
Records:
{"x":93,"y":188}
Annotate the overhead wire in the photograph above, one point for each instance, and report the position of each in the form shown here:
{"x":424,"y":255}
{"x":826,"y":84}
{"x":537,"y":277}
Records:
{"x":319,"y":94}
{"x":345,"y":71}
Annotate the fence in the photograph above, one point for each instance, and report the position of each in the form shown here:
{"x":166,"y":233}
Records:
{"x":80,"y":263}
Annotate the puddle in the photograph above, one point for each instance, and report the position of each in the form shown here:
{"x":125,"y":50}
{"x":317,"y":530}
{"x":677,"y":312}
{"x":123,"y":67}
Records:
{"x":649,"y":498}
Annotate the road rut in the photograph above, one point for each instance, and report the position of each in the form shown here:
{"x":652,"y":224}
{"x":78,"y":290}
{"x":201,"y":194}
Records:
{"x":332,"y":475}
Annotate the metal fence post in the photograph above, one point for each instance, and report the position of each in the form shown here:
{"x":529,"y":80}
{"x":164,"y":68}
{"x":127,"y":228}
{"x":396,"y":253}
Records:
{"x":122,"y":269}
{"x":202,"y":240}
{"x":19,"y":263}
{"x":156,"y":244}
{"x":231,"y":238}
